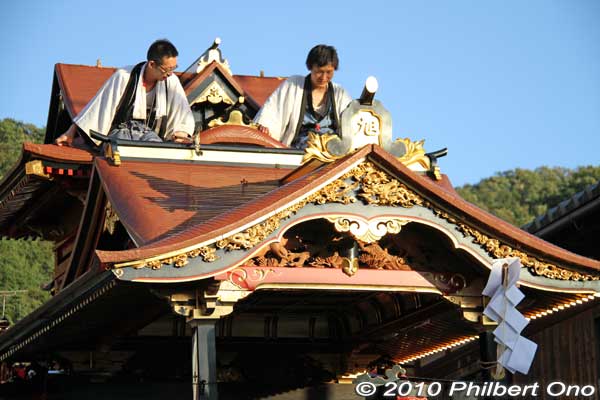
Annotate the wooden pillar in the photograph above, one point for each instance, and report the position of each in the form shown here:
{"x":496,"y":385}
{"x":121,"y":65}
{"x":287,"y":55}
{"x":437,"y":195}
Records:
{"x":487,"y":353}
{"x":204,"y":359}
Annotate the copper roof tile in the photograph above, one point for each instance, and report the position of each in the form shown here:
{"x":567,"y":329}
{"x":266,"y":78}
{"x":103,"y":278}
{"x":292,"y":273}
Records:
{"x":58,"y":153}
{"x":259,"y":88}
{"x":237,"y":134}
{"x":157,"y":200}
{"x":79,"y":83}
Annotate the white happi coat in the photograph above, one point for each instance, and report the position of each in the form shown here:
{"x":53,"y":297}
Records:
{"x":98,"y":114}
{"x":281,"y":111}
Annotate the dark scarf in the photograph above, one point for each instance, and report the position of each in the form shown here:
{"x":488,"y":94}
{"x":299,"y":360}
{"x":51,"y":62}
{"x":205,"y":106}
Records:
{"x":307,"y":99}
{"x":124,"y":111}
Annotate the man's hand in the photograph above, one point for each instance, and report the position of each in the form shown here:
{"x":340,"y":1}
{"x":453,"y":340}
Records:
{"x":182,"y":137}
{"x":263,"y":129}
{"x":66,"y":139}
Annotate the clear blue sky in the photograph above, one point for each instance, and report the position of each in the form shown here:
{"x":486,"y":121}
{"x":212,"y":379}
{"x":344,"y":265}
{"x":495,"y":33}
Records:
{"x":502,"y":84}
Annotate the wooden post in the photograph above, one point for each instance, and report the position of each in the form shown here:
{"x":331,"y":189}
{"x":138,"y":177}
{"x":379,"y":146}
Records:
{"x":204,"y":359}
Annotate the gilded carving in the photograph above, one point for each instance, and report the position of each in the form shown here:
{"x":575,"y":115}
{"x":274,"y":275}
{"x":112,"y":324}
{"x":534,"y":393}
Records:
{"x":36,"y":167}
{"x":110,"y":218}
{"x":316,"y":148}
{"x":339,"y":191}
{"x":112,"y":154}
{"x":208,"y":254}
{"x":415,"y":153}
{"x":214,"y":94}
{"x":498,"y":250}
{"x":367,"y":231}
{"x":235,"y":118}
{"x":377,"y":187}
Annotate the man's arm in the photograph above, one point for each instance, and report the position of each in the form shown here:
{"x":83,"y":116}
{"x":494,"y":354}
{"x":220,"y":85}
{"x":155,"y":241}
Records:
{"x":66,"y":139}
{"x":180,"y":120}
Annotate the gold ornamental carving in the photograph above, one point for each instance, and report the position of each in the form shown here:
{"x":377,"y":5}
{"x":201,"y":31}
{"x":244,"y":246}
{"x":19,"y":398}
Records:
{"x":207,"y":253}
{"x":214,"y":94}
{"x":497,"y":249}
{"x":110,"y":218}
{"x":368,"y":231}
{"x":377,"y":187}
{"x":235,"y":118}
{"x":415,"y":154}
{"x":316,"y":148}
{"x":36,"y":167}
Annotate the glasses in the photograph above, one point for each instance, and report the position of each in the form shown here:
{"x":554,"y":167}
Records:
{"x":166,"y":71}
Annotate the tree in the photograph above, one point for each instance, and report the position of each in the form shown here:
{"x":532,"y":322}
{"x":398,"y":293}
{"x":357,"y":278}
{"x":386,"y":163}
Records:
{"x":520,"y":195}
{"x":12,"y":135}
{"x":24,"y":264}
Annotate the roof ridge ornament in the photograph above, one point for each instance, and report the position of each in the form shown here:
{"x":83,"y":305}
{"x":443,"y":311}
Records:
{"x":213,"y":53}
{"x":366,"y":121}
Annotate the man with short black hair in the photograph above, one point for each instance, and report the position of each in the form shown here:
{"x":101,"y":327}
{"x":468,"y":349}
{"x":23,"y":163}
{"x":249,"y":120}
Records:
{"x":142,"y":102}
{"x":306,"y":104}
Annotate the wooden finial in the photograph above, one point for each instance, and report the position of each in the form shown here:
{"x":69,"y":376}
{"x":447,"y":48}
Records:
{"x":216,"y":43}
{"x":368,"y":93}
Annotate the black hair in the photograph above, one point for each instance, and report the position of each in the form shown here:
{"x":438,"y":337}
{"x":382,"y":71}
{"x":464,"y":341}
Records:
{"x":159,"y":49}
{"x":321,"y":55}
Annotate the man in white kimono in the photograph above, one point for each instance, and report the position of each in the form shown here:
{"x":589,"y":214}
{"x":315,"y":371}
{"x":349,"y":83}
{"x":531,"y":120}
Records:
{"x":306,"y":104}
{"x":141,"y":102}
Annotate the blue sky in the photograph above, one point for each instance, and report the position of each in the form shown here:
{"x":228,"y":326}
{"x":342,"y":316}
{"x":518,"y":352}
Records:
{"x":503,"y":84}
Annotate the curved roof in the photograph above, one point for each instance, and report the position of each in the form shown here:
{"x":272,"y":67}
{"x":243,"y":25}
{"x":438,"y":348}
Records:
{"x":160,"y":200}
{"x":258,"y":209}
{"x":58,"y":153}
{"x":564,"y":208}
{"x":238,"y":134}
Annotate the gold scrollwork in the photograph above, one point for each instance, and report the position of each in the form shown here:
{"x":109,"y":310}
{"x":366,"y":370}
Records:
{"x":377,"y":187}
{"x":415,"y":153}
{"x":316,"y":148}
{"x":367,"y":231}
{"x":214,"y":94}
{"x":235,"y":118}
{"x":208,"y":254}
{"x":36,"y":167}
{"x":110,"y":218}
{"x":497,"y":249}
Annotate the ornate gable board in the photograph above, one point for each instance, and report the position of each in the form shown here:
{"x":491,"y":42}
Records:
{"x":363,"y":193}
{"x":215,"y":88}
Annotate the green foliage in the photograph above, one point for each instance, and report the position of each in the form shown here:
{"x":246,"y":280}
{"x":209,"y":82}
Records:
{"x":24,"y":265}
{"x":520,"y":195}
{"x":12,"y":135}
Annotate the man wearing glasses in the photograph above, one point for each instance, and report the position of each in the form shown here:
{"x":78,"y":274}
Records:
{"x":141,"y":102}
